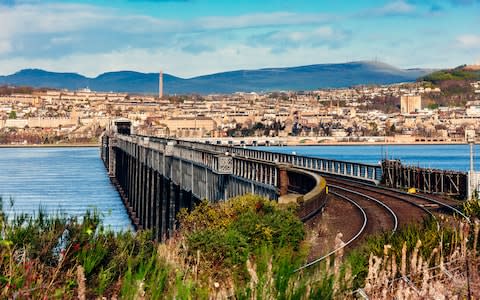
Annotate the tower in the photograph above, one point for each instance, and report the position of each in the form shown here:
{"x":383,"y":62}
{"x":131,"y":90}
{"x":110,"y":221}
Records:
{"x":160,"y":85}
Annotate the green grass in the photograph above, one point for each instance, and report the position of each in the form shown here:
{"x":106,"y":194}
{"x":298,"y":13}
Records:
{"x":247,"y":247}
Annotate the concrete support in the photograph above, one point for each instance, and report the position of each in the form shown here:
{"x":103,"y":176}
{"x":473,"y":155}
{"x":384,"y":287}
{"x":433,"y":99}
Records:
{"x":283,"y":179}
{"x":165,"y":203}
{"x":172,"y":208}
{"x":157,"y":207}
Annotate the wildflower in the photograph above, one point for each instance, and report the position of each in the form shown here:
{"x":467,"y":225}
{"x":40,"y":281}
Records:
{"x":76,"y":247}
{"x":6,"y":243}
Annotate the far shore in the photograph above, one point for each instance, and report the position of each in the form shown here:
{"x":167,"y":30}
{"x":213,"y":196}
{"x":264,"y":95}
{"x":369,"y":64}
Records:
{"x":287,"y":144}
{"x":372,"y":144}
{"x":48,"y":145}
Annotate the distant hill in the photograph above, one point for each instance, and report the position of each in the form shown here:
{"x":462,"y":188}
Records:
{"x":269,"y":79}
{"x":461,"y":73}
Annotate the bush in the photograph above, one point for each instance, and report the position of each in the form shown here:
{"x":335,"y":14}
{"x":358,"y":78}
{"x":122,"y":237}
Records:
{"x":227,"y":234}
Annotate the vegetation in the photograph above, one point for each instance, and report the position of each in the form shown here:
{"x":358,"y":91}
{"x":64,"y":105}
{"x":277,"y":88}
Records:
{"x":245,"y":248}
{"x":12,"y":115}
{"x":218,"y":250}
{"x":458,"y":73}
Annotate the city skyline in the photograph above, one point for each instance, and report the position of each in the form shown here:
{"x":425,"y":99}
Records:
{"x":195,"y":37}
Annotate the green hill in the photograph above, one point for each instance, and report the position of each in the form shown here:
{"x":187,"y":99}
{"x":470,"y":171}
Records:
{"x":456,"y":74}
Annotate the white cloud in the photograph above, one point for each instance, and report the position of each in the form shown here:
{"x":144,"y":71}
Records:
{"x":55,"y":30}
{"x":469,"y":41}
{"x":61,"y":17}
{"x":394,"y":8}
{"x":261,"y":20}
{"x":231,"y":57}
{"x":281,"y":40}
{"x":5,"y":47}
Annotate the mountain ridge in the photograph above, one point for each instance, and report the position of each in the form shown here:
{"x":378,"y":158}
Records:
{"x":307,"y":77}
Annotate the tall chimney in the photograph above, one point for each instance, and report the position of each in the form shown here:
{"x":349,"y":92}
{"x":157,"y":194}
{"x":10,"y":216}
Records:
{"x":160,"y":85}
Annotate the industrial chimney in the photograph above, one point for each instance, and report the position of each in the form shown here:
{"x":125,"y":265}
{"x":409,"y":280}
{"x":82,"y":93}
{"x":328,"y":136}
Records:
{"x":160,"y":85}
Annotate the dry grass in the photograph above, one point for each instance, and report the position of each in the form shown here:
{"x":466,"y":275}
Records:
{"x":451,"y":274}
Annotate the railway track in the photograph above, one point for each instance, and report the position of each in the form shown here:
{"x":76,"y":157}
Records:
{"x":374,"y":203}
{"x":359,"y":233}
{"x":428,"y":205}
{"x":376,"y":216}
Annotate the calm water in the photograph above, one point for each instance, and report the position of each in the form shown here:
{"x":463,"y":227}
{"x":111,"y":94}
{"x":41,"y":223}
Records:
{"x":64,"y":180}
{"x":73,"y":180}
{"x":453,"y":157}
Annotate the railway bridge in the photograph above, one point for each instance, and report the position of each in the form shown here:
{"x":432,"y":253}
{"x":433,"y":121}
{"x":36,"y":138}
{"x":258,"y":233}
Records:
{"x":156,"y":177}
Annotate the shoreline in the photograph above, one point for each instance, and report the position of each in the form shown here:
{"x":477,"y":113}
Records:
{"x":368,"y":144}
{"x":50,"y":146}
{"x":288,"y":144}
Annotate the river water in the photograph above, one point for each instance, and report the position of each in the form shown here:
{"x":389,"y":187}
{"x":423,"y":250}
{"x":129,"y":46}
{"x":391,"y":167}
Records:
{"x":451,"y":157}
{"x":59,"y":180}
{"x":74,"y":180}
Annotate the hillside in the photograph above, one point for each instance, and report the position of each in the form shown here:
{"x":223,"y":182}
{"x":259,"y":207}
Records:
{"x":461,"y":73}
{"x":268,"y":79}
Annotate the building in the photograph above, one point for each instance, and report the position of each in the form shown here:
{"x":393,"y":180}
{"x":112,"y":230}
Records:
{"x":195,"y":126}
{"x":409,"y":104}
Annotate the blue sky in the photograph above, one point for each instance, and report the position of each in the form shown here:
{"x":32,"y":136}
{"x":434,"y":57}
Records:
{"x":195,"y":37}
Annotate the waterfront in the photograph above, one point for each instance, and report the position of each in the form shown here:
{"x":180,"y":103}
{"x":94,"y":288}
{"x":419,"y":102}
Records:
{"x":452,"y":157}
{"x":63,"y":180}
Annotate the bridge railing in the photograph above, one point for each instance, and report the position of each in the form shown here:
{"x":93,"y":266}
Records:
{"x":260,"y":176}
{"x":362,"y":171}
{"x":311,"y":189}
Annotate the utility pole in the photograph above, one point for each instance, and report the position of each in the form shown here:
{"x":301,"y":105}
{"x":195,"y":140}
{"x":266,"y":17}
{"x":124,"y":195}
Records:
{"x":472,"y":180}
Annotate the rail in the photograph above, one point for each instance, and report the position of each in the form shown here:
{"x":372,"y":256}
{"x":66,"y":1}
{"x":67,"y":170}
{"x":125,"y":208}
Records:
{"x":380,"y":203}
{"x":343,"y":245}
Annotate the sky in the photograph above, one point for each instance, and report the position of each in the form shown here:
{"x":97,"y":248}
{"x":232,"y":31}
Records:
{"x":188,"y":38}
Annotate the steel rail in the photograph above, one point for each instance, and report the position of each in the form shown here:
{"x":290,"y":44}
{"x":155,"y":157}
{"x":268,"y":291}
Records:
{"x":392,"y":213}
{"x":364,"y":225}
{"x":455,"y":210}
{"x":379,"y":191}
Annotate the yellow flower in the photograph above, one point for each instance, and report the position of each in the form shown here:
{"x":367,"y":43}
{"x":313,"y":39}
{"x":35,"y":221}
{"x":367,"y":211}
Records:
{"x":6,"y":243}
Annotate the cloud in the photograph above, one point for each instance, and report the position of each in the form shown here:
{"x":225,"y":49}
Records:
{"x":394,"y":8}
{"x":197,"y":48}
{"x":46,"y":30}
{"x":261,"y":20}
{"x":232,"y":57}
{"x":442,"y":3}
{"x":5,"y":47}
{"x":469,"y":41}
{"x":282,"y":40}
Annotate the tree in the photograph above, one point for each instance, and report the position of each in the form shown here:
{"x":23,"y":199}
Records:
{"x":12,"y":115}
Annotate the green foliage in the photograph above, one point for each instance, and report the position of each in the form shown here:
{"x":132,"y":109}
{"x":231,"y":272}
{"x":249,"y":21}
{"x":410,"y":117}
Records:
{"x":248,"y":241}
{"x":40,"y":255}
{"x":453,"y":74}
{"x":12,"y":115}
{"x":472,"y":207}
{"x":227,"y":234}
{"x":428,"y":232}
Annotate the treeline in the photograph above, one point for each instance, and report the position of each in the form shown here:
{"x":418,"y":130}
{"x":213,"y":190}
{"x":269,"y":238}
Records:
{"x":459,"y":73}
{"x":10,"y":90}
